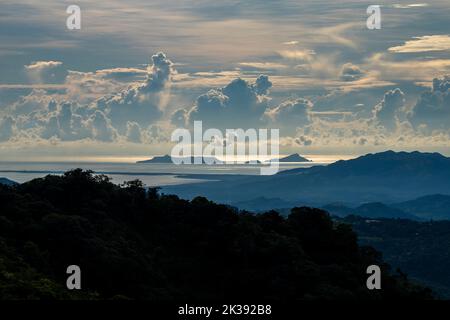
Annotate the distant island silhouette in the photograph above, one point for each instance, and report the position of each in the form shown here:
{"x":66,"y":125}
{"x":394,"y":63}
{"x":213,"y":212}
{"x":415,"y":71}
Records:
{"x":295,"y":157}
{"x":168,"y":159}
{"x":291,"y":158}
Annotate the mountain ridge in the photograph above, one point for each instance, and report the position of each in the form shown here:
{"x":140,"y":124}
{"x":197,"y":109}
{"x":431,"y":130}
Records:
{"x":7,"y":181}
{"x":387,"y":177}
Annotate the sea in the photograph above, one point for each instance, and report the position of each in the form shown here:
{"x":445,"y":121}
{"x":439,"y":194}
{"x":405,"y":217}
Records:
{"x":151,"y":174}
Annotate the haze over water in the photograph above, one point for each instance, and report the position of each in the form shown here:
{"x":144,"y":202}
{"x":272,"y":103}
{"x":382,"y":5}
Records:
{"x":152,"y":174}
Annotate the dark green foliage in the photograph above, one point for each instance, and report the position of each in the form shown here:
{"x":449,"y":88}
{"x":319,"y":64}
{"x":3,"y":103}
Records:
{"x":419,"y":248}
{"x":135,"y":243}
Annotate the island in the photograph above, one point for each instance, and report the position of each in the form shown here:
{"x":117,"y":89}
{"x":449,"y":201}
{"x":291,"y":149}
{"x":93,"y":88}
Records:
{"x":168,"y":159}
{"x":291,"y":158}
{"x":253,"y":162}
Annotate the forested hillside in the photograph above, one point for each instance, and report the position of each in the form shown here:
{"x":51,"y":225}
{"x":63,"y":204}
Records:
{"x":131,"y":242}
{"x":421,"y":249}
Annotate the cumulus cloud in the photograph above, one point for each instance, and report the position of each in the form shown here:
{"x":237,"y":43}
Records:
{"x":339,"y":133}
{"x":38,"y":115}
{"x":142,"y":103}
{"x":351,"y":72}
{"x":133,"y":132}
{"x":290,"y":114}
{"x":45,"y":71}
{"x":392,"y":123}
{"x":156,"y":133}
{"x":37,"y":100}
{"x":432,"y":109}
{"x":120,"y":116}
{"x":441,"y":85}
{"x":304,"y":141}
{"x":179,"y":118}
{"x":102,"y":128}
{"x":238,"y":104}
{"x":86,"y":87}
{"x":130,"y":105}
{"x":348,"y":135}
{"x":64,"y":122}
{"x":386,"y":112}
{"x":262,"y":85}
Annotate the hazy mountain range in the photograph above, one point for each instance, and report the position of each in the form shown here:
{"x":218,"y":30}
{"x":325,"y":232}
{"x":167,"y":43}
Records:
{"x":387,"y":178}
{"x":436,"y":207}
{"x":390,"y":184}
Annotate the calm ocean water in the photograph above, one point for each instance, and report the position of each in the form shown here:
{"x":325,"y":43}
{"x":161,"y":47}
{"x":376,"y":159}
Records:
{"x":154,"y":174}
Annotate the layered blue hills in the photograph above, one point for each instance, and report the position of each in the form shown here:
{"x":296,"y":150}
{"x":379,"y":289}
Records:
{"x":387,"y":177}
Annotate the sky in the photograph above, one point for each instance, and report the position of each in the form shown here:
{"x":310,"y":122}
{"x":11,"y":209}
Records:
{"x":137,"y":70}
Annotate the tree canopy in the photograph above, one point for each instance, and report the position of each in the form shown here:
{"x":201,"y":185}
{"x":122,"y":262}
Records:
{"x":133,"y":242}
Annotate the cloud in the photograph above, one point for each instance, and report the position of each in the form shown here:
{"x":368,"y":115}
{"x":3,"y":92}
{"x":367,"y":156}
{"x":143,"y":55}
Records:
{"x":179,"y":118}
{"x":156,"y":133}
{"x":409,"y":6}
{"x":36,"y":101}
{"x":362,"y":141}
{"x":7,"y":125}
{"x":432,"y":109}
{"x":239,"y":104}
{"x":134,"y":132}
{"x":304,"y":55}
{"x":263,"y":65}
{"x":386,"y":112}
{"x":129,"y":106}
{"x":262,"y":85}
{"x":142,"y":103}
{"x":351,"y":72}
{"x":423,"y":69}
{"x":424,"y":44}
{"x":441,"y":85}
{"x":101,"y":127}
{"x":392,"y":124}
{"x":304,"y":141}
{"x":64,"y":122}
{"x":121,"y":74}
{"x":86,"y":87}
{"x":45,"y":71}
{"x":40,"y":115}
{"x":290,"y":115}
{"x":42,"y":65}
